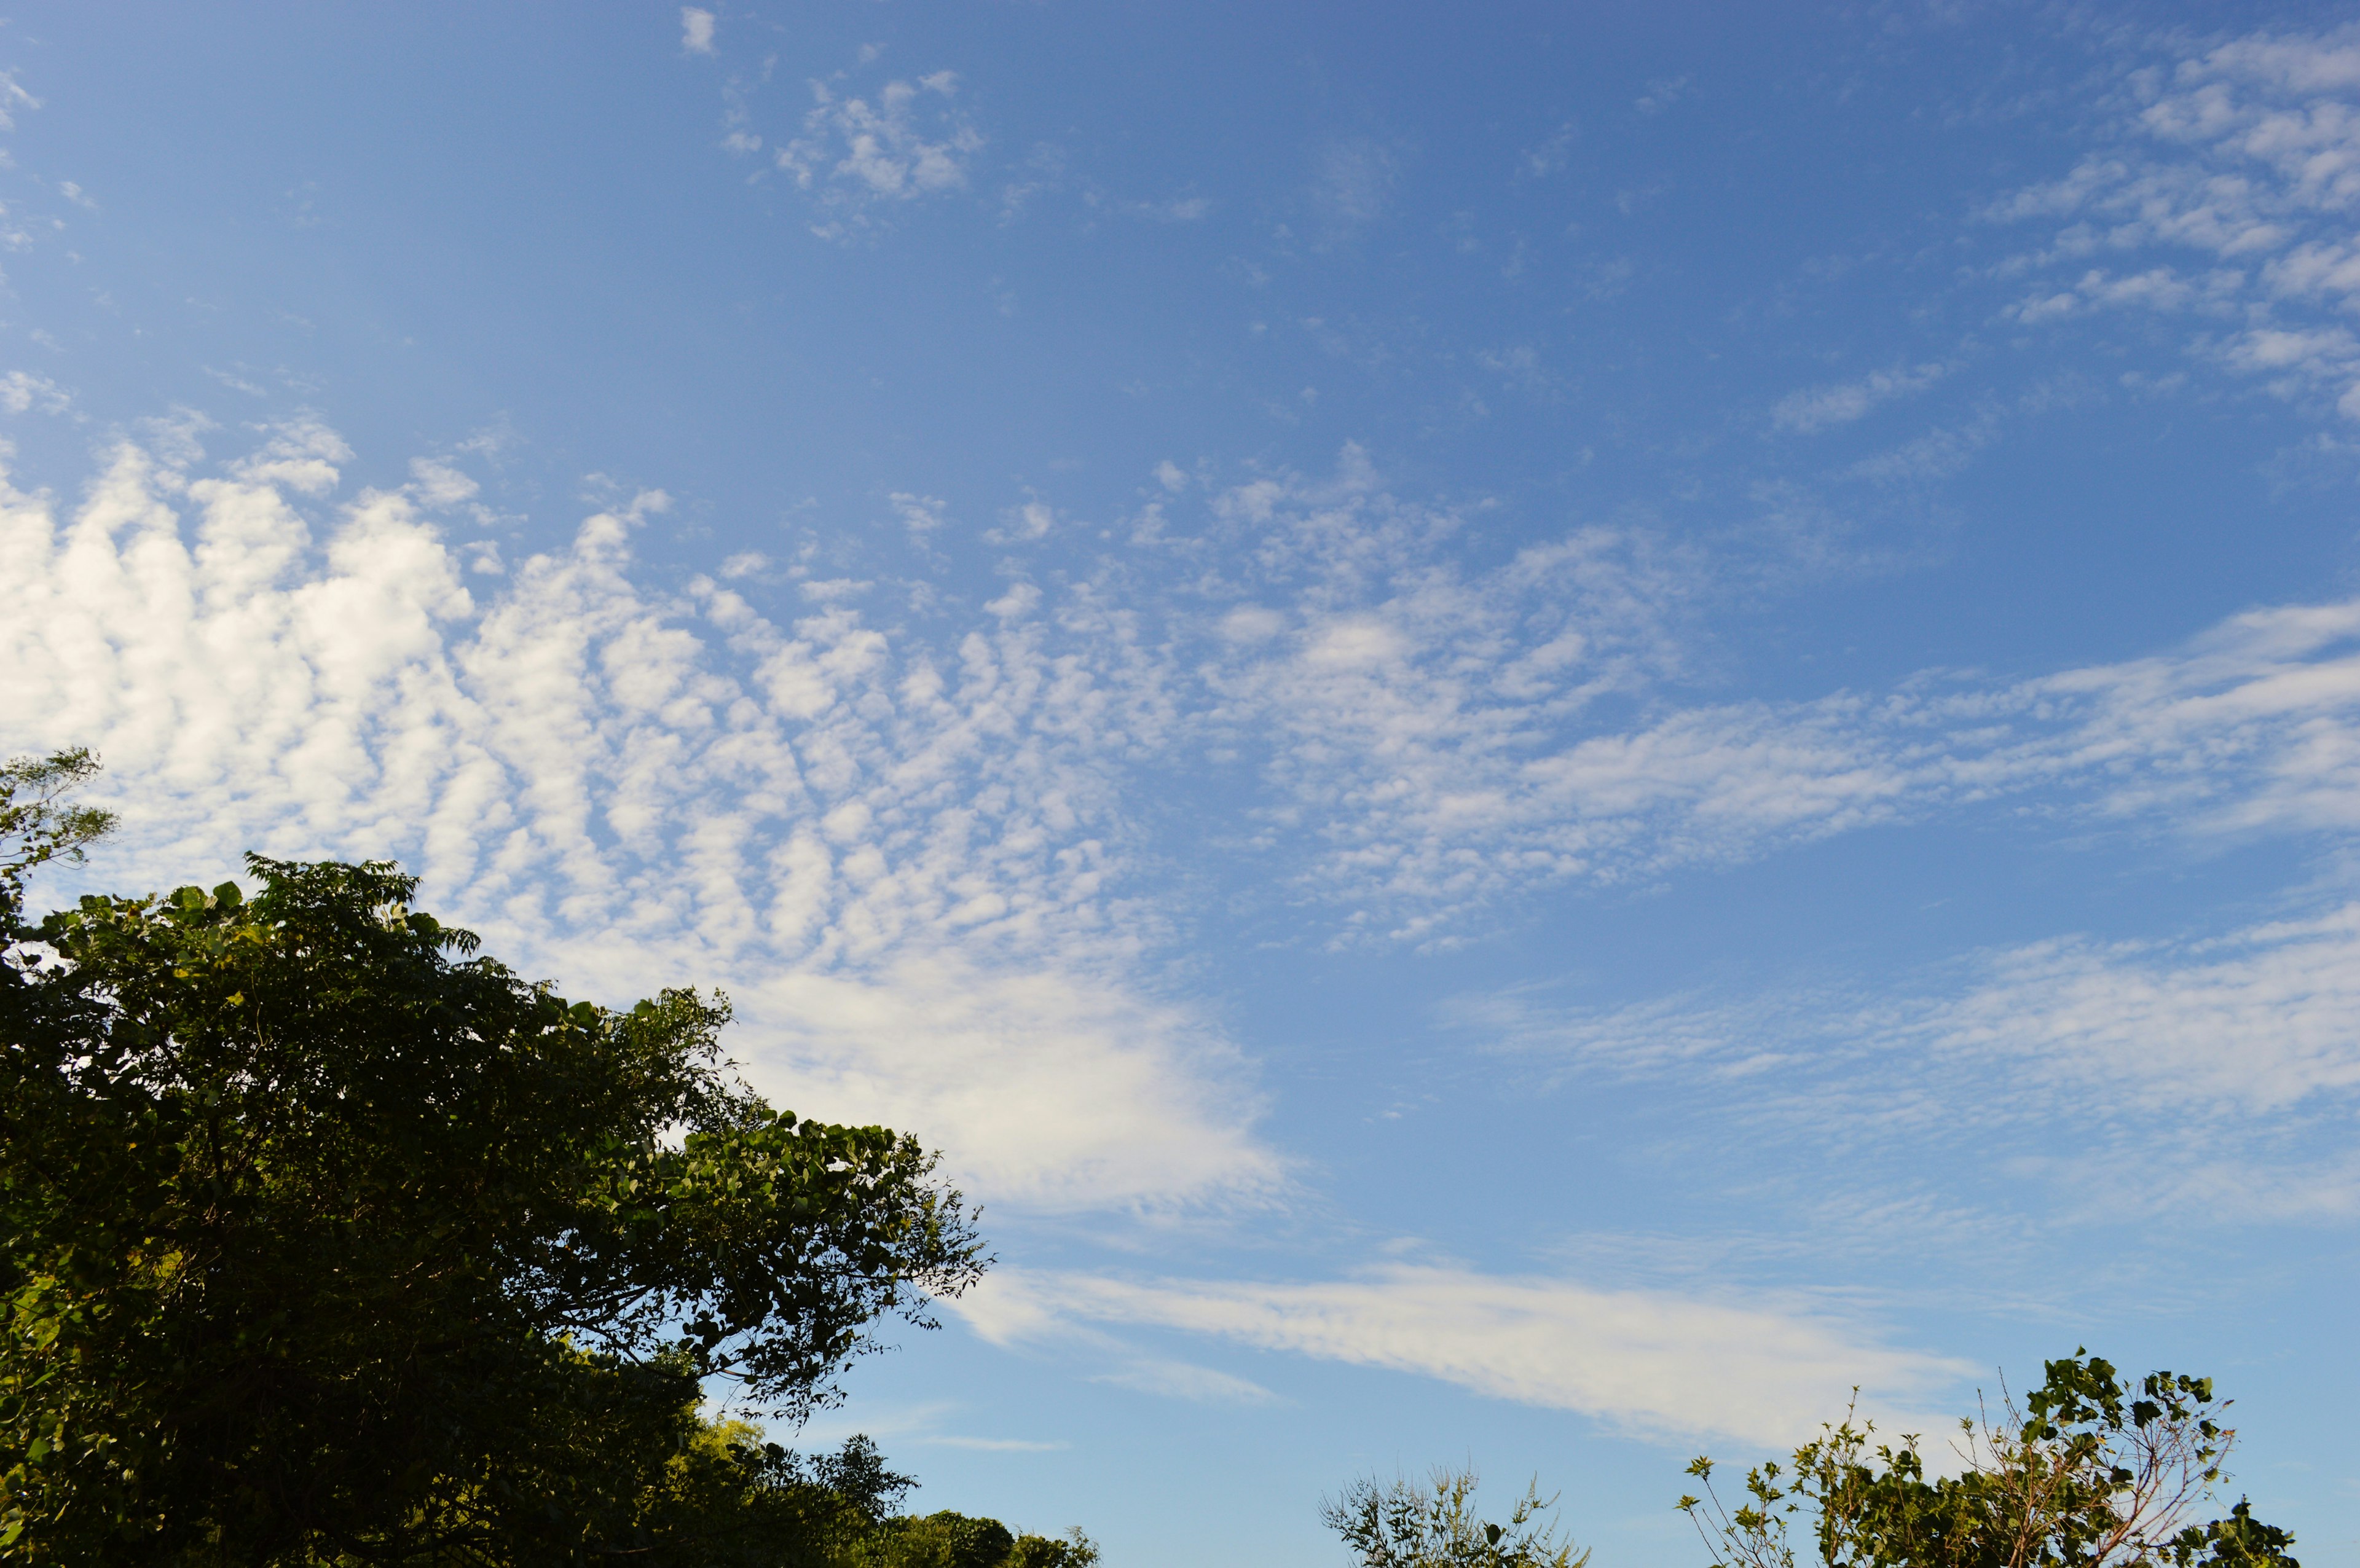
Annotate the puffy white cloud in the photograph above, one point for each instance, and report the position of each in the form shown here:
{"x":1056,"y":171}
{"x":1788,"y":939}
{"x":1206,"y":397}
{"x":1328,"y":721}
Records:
{"x":695,"y":29}
{"x":1654,"y":1362}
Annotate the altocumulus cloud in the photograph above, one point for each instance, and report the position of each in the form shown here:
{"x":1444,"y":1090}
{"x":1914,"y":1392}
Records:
{"x":898,"y":866}
{"x":2224,"y":196}
{"x":918,"y":863}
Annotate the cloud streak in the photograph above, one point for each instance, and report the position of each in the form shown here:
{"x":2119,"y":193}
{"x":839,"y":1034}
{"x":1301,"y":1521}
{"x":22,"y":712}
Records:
{"x":1656,"y":1362}
{"x":2215,"y":1075}
{"x":1817,"y":408}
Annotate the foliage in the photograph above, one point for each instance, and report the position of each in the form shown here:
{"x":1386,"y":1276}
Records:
{"x":855,"y":1473}
{"x":36,"y":825}
{"x":1071,"y":1549}
{"x":323,"y":1239}
{"x":1402,"y":1524}
{"x":2090,"y":1473}
{"x":953,"y":1540}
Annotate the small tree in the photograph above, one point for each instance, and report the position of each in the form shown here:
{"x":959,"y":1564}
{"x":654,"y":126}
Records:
{"x":2090,"y":1473}
{"x":37,"y":824}
{"x":1403,"y":1524}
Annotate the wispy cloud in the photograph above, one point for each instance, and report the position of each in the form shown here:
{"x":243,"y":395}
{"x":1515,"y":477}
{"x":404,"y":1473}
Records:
{"x":1657,"y":1363}
{"x":1819,"y":408}
{"x":1185,"y":1380}
{"x":1550,"y":154}
{"x":13,"y":98}
{"x":695,"y":30}
{"x":1448,"y":743}
{"x":2080,"y":1064}
{"x":1352,"y":182}
{"x":919,"y":1424}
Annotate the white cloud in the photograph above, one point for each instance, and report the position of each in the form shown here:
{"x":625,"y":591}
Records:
{"x":901,"y":861}
{"x":844,"y":824}
{"x":2258,"y":1021}
{"x":438,"y":485}
{"x":2079,"y":1062}
{"x":1546,"y":157}
{"x":1433,"y":739}
{"x":995,"y":1444}
{"x":21,"y":390}
{"x":695,"y":30}
{"x":1663,"y":91}
{"x":918,"y":1423}
{"x":921,"y":514}
{"x":1024,"y":524}
{"x":1053,"y":1089}
{"x":1653,"y":1362}
{"x":13,"y":97}
{"x":1819,"y":408}
{"x":1937,"y":454}
{"x":1521,"y":366}
{"x":1172,"y":210}
{"x":2245,"y":153}
{"x":1441,"y":736}
{"x":863,"y":154}
{"x":1352,"y":184}
{"x":1185,"y":1380}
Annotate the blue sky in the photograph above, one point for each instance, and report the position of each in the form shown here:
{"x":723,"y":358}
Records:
{"x":1536,"y":732}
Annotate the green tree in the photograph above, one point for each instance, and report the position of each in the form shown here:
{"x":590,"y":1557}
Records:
{"x":954,"y":1541}
{"x":1402,"y":1524}
{"x":39,"y":825}
{"x":325,"y":1239}
{"x":2090,"y":1472}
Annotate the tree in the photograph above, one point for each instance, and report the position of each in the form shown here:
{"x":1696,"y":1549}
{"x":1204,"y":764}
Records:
{"x":1402,"y":1524}
{"x":949,"y":1540}
{"x":42,"y":826}
{"x":2092,"y":1472}
{"x":325,"y":1239}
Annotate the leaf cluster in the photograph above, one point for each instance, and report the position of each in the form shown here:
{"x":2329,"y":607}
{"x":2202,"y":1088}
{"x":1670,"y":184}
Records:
{"x":949,"y":1540}
{"x":1405,"y":1524}
{"x":326,"y":1238}
{"x":2092,"y":1472}
{"x":37,"y":824}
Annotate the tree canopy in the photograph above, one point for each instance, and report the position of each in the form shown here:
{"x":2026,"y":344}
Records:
{"x":2093,"y":1471}
{"x":326,"y":1238}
